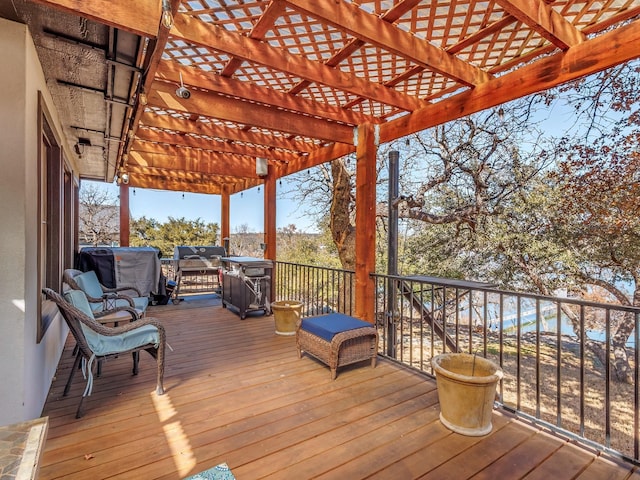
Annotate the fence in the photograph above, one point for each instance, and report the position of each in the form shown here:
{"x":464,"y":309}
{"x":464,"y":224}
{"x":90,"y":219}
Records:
{"x":569,"y":365}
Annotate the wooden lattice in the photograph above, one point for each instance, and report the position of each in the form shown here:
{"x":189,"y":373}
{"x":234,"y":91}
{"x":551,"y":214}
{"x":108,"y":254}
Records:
{"x":288,"y":80}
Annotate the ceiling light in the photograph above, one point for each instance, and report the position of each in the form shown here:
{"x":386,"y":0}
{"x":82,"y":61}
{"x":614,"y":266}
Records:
{"x":262,"y":168}
{"x":167,"y":17}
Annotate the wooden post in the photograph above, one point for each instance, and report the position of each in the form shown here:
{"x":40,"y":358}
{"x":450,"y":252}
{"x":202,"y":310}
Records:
{"x":124,"y":215}
{"x":365,"y":222}
{"x":270,"y":223}
{"x":225,"y":231}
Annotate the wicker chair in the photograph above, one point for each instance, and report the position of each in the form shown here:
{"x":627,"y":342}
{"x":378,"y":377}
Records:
{"x":96,"y":341}
{"x":99,"y":296}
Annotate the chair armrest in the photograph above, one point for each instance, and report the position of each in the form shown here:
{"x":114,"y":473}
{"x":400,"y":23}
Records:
{"x":122,"y":288}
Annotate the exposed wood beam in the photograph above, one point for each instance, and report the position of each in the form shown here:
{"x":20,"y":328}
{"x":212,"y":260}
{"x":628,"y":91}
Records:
{"x":168,"y":122}
{"x":213,"y":145}
{"x":168,"y":157}
{"x":197,"y":32}
{"x":246,"y":113}
{"x":141,"y":17}
{"x":248,"y":91}
{"x":545,"y":20}
{"x":172,"y":174}
{"x":391,"y":15}
{"x":375,"y":31}
{"x":602,"y":52}
{"x":214,"y":188}
{"x":318,"y":156}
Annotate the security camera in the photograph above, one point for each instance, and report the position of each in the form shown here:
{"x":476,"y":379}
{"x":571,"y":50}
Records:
{"x":183,"y":92}
{"x":125,"y":178}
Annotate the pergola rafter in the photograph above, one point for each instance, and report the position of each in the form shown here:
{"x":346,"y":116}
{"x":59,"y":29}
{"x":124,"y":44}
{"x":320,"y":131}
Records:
{"x":290,"y":80}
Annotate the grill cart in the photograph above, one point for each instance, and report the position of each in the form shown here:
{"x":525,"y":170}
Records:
{"x":246,"y":284}
{"x":192,"y":262}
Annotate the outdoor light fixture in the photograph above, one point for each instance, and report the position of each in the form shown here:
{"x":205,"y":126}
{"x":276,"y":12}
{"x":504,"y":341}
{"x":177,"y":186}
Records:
{"x":143,"y":99}
{"x":125,"y":178}
{"x":182,"y":91}
{"x":262,"y":168}
{"x":80,"y":145}
{"x":167,"y":17}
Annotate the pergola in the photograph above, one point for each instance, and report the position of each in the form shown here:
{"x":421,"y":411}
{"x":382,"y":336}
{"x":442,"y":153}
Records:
{"x":302,"y":82}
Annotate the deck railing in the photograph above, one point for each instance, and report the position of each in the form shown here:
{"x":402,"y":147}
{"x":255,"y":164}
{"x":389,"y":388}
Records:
{"x":560,"y":361}
{"x":320,"y":289}
{"x":201,"y":282}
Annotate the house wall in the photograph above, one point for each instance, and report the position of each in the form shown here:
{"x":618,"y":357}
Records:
{"x":26,"y":366}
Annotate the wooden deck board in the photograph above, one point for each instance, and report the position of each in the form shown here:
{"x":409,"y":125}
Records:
{"x":237,"y":393}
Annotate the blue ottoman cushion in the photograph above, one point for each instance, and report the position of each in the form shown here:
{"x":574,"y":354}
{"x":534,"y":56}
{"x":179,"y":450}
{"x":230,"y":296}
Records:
{"x":326,"y":326}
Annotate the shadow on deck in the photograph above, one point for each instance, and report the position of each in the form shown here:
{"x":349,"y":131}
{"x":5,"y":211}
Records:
{"x":237,"y":393}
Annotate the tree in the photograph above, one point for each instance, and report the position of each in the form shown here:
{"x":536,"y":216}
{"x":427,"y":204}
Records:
{"x":175,"y":232}
{"x":98,"y":216}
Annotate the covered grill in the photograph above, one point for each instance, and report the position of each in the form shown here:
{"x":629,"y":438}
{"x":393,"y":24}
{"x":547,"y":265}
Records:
{"x":197,"y":261}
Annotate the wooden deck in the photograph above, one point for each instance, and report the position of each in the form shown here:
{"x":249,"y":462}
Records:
{"x":237,"y":393}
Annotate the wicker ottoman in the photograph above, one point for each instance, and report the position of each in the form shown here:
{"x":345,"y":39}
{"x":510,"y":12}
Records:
{"x":337,"y":340}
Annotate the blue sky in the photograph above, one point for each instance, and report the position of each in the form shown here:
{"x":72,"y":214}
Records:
{"x":245,"y":209}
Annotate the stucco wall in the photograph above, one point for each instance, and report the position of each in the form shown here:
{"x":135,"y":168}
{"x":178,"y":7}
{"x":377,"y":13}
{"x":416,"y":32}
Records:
{"x":26,"y":367}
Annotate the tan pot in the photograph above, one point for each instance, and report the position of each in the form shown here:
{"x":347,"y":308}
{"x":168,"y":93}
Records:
{"x":286,"y":313}
{"x":466,"y":390}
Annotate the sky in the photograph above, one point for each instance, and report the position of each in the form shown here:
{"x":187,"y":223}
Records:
{"x":244,"y":209}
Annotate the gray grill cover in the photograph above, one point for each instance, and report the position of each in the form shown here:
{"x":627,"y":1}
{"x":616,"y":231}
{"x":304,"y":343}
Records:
{"x":198,"y":258}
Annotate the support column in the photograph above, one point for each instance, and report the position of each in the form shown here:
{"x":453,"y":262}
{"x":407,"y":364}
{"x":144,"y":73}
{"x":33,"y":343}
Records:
{"x":124,"y":215}
{"x":365,"y":222}
{"x":225,"y":229}
{"x":270,"y":224}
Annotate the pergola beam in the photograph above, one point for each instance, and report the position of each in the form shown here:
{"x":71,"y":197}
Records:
{"x":238,"y":111}
{"x":592,"y":56}
{"x":214,"y":146}
{"x":170,"y":157}
{"x":250,"y":92}
{"x":545,"y":20}
{"x":210,"y":129}
{"x":375,"y":31}
{"x":196,"y":32}
{"x":115,"y":13}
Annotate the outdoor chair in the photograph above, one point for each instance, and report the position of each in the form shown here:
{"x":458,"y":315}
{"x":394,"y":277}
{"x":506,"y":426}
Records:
{"x":97,"y":342}
{"x":103,"y":298}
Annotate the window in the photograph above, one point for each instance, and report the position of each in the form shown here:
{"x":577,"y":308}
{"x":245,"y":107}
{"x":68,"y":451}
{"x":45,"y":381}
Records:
{"x":56,"y":216}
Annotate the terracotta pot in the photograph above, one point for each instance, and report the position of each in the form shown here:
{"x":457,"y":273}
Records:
{"x":286,"y":313}
{"x":466,"y":390}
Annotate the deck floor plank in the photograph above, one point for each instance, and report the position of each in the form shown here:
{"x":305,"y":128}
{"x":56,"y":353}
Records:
{"x":238,"y":393}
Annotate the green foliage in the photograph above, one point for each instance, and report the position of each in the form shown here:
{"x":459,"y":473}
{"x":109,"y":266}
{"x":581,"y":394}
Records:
{"x":307,"y":248}
{"x":173,"y":233}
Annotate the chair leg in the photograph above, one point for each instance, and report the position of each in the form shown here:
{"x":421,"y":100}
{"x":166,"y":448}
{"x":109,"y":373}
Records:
{"x":136,"y":358}
{"x":80,"y":411}
{"x":76,"y":365}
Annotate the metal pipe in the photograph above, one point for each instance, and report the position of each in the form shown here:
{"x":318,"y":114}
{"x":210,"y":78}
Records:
{"x":392,"y":248}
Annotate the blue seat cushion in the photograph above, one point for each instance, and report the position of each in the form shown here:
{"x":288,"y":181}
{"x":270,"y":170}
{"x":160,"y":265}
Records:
{"x":327,"y":326}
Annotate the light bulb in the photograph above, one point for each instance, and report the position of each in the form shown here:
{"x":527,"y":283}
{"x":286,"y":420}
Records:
{"x":167,"y":18}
